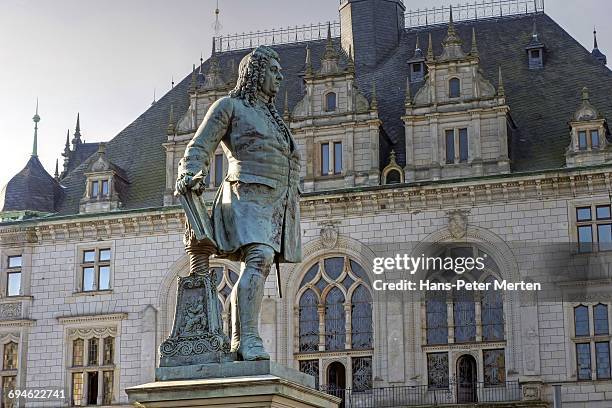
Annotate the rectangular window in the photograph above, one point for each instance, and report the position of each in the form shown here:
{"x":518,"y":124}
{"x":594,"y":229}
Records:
{"x":14,"y":261}
{"x":109,"y":345}
{"x":96,"y":272}
{"x":602,"y":359}
{"x":535,"y":54}
{"x":582,"y":140}
{"x":604,"y":237}
{"x":600,"y":320}
{"x":581,"y":321}
{"x":583,"y":361}
{"x":77,"y":389}
{"x":92,"y":388}
{"x":362,"y":373}
{"x":325,"y":162}
{"x":437,"y":370}
{"x":311,"y":367}
{"x":105,"y":188}
{"x":594,"y":139}
{"x":494,"y":367}
{"x":107,"y":387}
{"x":463,"y":145}
{"x":8,"y":384}
{"x":585,"y":238}
{"x":602,"y":212}
{"x":450,"y":146}
{"x":78,"y":347}
{"x":95,"y":189}
{"x":337,"y":157}
{"x":9,"y":361}
{"x":218,"y":169}
{"x":92,"y":352}
{"x":13,"y":285}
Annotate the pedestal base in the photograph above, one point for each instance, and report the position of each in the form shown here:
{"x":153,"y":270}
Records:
{"x":263,"y":384}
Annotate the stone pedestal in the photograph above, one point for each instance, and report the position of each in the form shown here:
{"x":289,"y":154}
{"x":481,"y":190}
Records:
{"x":253,"y":384}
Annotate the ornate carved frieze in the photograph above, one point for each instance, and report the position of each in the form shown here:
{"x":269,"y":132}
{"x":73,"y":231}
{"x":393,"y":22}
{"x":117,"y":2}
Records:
{"x":10,"y":310}
{"x":87,"y":333}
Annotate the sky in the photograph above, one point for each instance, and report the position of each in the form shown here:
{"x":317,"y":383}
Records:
{"x":107,"y":58}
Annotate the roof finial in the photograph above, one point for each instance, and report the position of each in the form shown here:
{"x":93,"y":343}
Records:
{"x":534,"y":34}
{"x":286,"y":110}
{"x":76,"y":140}
{"x":374,"y":103}
{"x":417,"y":46}
{"x":171,"y":128}
{"x":408,"y":101}
{"x":154,"y":98}
{"x":308,"y":61}
{"x":501,"y":91}
{"x":585,"y":94}
{"x":36,"y":119}
{"x":474,"y":50}
{"x":192,"y":88}
{"x":56,"y":174}
{"x":595,"y":47}
{"x":214,"y":47}
{"x":172,"y":84}
{"x":217,"y":25}
{"x":430,"y":52}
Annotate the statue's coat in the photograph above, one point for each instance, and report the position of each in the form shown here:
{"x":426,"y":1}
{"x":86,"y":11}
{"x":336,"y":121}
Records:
{"x":258,"y":202}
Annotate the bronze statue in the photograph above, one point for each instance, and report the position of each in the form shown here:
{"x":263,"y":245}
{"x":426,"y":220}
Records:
{"x":255,"y":215}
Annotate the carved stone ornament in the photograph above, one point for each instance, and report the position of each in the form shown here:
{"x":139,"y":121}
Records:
{"x":531,"y":392}
{"x":329,"y":235}
{"x":457,"y":223}
{"x":10,"y":310}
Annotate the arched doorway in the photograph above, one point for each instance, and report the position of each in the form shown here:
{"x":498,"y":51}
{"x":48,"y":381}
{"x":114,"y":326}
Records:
{"x":336,"y":380}
{"x":467,"y":377}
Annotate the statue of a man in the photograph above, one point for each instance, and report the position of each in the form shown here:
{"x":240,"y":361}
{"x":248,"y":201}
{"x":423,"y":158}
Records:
{"x":255,"y":215}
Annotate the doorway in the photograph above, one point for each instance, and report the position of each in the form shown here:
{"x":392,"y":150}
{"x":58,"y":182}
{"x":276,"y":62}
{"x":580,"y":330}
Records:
{"x":336,"y":380}
{"x":467,"y":379}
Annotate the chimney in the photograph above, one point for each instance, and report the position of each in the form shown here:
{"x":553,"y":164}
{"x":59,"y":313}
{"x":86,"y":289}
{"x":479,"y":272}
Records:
{"x":371,"y":28}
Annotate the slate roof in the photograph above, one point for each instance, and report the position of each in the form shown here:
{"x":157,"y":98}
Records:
{"x":541,"y":101}
{"x":31,"y":189}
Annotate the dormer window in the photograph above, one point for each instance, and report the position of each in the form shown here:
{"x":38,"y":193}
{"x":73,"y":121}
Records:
{"x":454,"y":88}
{"x":94,"y":189}
{"x":594,"y":139}
{"x":536,"y":60}
{"x":331,"y":158}
{"x":105,"y":186}
{"x":456,"y":146}
{"x":417,"y":72}
{"x":588,"y":139}
{"x":330,"y":102}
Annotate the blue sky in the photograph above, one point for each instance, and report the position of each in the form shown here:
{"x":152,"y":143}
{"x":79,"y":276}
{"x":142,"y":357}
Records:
{"x":105,"y":58}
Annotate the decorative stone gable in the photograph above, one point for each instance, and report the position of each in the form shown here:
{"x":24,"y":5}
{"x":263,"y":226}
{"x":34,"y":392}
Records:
{"x":457,"y":123}
{"x":335,"y":127}
{"x":589,"y":136}
{"x":105,"y":185}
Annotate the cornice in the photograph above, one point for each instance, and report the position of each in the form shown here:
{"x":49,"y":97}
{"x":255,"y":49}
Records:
{"x":92,"y":318}
{"x":17,"y":323}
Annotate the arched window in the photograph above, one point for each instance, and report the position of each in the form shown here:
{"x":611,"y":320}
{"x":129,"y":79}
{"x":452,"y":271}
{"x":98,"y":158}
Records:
{"x":437,"y":318}
{"x":393,"y":177}
{"x":454,"y":88}
{"x":335,"y":320}
{"x":361,"y":319}
{"x":600,"y":320}
{"x":581,"y":320}
{"x":334,"y":313}
{"x":464,"y":313}
{"x":492,"y":311}
{"x":330,"y":102}
{"x":309,"y":322}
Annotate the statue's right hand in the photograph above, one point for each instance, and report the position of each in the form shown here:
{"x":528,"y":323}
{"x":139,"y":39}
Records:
{"x":188,"y":182}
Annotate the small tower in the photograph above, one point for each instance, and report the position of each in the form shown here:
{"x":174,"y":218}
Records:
{"x":535,"y":49}
{"x":36,"y":119}
{"x":417,"y":63}
{"x":596,"y":53}
{"x":452,"y":44}
{"x":329,"y":62}
{"x":76,"y":140}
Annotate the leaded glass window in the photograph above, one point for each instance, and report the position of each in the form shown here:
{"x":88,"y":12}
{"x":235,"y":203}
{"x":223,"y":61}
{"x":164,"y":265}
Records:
{"x":583,"y":360}
{"x":602,"y":360}
{"x":600,"y":317}
{"x":361,"y":319}
{"x":93,"y":352}
{"x":108,"y":352}
{"x":362,"y":373}
{"x":10,"y":356}
{"x":311,"y":367}
{"x":581,"y":319}
{"x":437,"y":318}
{"x":437,"y":370}
{"x":492,"y":311}
{"x":494,"y":367}
{"x":78,"y":347}
{"x":77,"y":389}
{"x":107,"y":387}
{"x":464,"y":311}
{"x":309,"y":322}
{"x":8,"y":384}
{"x":335,"y":320}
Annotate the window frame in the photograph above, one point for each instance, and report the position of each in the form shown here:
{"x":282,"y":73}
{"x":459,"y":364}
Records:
{"x":594,"y":223}
{"x":332,"y":170}
{"x":97,"y":264}
{"x":326,"y":101}
{"x":14,"y":373}
{"x":460,"y":143}
{"x":451,"y":81}
{"x":14,"y":270}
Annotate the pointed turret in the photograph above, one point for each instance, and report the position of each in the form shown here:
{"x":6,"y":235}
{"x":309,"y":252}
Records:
{"x":170,"y":130}
{"x":56,"y":174}
{"x":76,"y":140}
{"x":474,"y":50}
{"x":308,"y":63}
{"x":452,"y":44}
{"x":597,"y":54}
{"x":329,"y":62}
{"x":430,"y":52}
{"x":36,"y":119}
{"x":193,"y":86}
{"x":213,"y":79}
{"x":501,"y":91}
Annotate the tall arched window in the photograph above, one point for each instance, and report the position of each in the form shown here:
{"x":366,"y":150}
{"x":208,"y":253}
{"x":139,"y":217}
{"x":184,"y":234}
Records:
{"x":334,"y":313}
{"x":492,"y":311}
{"x":330,"y":102}
{"x":454,"y":88}
{"x":464,"y":314}
{"x":437,"y":318}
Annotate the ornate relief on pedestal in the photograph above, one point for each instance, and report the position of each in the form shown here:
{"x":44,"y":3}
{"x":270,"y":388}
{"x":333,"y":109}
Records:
{"x":10,"y":310}
{"x":457,"y":223}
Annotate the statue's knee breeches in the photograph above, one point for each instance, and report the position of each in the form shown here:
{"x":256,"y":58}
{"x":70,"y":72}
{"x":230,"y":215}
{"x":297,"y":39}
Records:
{"x":258,"y":258}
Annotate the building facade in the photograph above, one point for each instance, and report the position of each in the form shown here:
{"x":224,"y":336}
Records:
{"x":491,"y":141}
